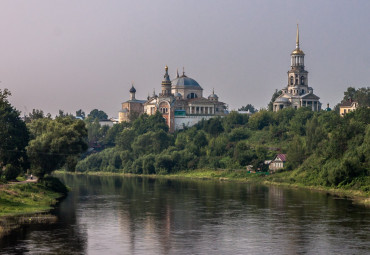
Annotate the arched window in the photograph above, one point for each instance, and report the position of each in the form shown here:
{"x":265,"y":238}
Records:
{"x":291,"y":80}
{"x":302,"y":80}
{"x":192,"y":95}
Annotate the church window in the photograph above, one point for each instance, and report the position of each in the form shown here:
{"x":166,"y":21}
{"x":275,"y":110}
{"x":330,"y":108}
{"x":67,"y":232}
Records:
{"x":302,"y":80}
{"x":192,"y":95}
{"x":291,"y":80}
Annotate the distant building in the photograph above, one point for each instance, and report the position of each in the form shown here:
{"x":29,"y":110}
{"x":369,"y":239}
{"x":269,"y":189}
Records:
{"x":347,"y":106}
{"x":181,"y":103}
{"x":131,"y":107}
{"x":278,"y":162}
{"x":297,"y":93}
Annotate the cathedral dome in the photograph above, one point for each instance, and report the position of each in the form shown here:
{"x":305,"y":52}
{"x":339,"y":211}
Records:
{"x":213,"y":96}
{"x":184,"y":81}
{"x":132,"y":90}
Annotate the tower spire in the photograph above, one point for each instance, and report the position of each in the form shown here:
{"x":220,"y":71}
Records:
{"x":297,"y":39}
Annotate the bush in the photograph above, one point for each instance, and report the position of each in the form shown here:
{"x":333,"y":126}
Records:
{"x":54,"y":184}
{"x":11,"y":172}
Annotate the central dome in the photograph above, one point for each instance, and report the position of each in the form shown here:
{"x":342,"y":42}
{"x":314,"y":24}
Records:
{"x":184,"y":81}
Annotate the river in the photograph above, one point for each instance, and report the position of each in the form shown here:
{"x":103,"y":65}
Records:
{"x":134,"y":215}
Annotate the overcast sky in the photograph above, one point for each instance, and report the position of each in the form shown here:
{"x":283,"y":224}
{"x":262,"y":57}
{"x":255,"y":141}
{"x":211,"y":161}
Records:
{"x":78,"y":54}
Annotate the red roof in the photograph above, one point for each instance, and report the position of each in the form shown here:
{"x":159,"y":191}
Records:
{"x":348,"y":102}
{"x":282,"y":157}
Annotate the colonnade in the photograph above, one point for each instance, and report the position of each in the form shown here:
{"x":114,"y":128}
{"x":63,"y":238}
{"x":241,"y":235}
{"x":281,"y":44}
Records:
{"x":297,"y":61}
{"x":201,"y":110}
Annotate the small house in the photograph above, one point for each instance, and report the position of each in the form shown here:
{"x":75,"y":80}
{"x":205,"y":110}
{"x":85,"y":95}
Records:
{"x":347,"y":107}
{"x":278,"y":162}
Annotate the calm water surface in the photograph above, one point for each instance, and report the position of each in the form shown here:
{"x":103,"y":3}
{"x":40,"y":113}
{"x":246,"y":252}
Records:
{"x":130,"y":215}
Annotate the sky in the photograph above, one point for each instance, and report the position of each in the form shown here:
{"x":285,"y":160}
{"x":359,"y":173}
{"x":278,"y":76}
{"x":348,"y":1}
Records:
{"x":84,"y":54}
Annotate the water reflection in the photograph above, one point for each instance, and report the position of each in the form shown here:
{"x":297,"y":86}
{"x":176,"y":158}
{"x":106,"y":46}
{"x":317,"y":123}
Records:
{"x":117,"y":215}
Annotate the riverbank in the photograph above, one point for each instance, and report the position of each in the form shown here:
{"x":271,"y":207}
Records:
{"x":20,"y":202}
{"x":25,"y":198}
{"x":356,"y":195}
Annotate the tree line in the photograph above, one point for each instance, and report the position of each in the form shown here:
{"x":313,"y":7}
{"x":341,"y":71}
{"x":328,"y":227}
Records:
{"x":39,"y":144}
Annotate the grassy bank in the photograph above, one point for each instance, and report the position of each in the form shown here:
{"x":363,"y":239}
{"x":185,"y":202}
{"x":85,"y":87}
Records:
{"x":26,"y":198}
{"x":24,"y":203}
{"x":280,"y":179}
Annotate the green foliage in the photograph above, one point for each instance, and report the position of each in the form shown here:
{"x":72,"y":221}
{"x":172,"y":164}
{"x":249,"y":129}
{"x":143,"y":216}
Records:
{"x":14,"y":137}
{"x":147,"y":123}
{"x":55,"y":142}
{"x":97,"y":114}
{"x":10,"y":172}
{"x":296,"y":153}
{"x":53,"y":184}
{"x":151,"y":142}
{"x":261,"y":119}
{"x":322,"y":148}
{"x":361,"y":95}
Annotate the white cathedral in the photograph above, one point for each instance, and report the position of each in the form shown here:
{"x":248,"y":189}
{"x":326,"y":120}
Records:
{"x":297,"y":93}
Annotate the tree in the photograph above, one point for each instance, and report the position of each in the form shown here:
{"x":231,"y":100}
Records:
{"x":97,"y":114}
{"x":14,"y":138}
{"x":35,"y":115}
{"x":80,"y":113}
{"x":273,"y":98}
{"x":56,"y":145}
{"x":296,"y":153}
{"x":213,"y":126}
{"x":249,"y":108}
{"x":361,"y":95}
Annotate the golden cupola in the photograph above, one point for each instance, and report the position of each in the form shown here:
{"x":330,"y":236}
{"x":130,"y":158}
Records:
{"x":297,"y":56}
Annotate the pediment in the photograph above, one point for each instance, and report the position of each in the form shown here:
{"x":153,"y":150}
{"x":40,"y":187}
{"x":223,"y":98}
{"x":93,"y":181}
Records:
{"x":310,"y":96}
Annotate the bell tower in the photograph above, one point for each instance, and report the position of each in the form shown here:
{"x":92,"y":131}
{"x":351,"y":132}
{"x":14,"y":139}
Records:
{"x":166,"y":84}
{"x":297,"y":75}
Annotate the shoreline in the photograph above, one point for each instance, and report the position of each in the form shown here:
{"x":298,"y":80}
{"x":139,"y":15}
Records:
{"x":357,"y":196}
{"x":26,"y":203}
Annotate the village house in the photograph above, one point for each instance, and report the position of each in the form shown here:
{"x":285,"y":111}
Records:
{"x":347,"y":106}
{"x":278,"y":162}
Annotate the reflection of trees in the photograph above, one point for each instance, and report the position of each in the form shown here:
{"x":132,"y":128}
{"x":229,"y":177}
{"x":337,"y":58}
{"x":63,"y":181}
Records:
{"x":63,"y":237}
{"x":173,"y":210}
{"x":162,"y":216}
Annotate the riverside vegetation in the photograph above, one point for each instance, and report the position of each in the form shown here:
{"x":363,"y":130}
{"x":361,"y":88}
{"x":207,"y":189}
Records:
{"x":38,"y":146}
{"x":323,"y":149}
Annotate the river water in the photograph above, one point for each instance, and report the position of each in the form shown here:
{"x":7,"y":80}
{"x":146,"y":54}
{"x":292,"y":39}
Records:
{"x":132,"y":215}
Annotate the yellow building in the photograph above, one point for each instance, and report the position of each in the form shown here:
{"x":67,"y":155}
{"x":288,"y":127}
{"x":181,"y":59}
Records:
{"x":347,"y":106}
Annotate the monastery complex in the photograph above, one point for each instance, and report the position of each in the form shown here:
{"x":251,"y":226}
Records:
{"x":182,"y":103}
